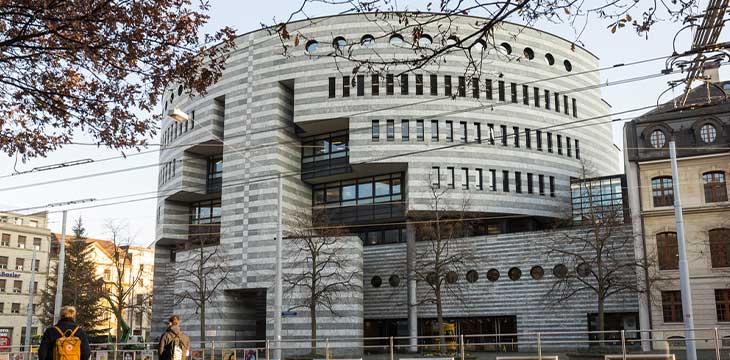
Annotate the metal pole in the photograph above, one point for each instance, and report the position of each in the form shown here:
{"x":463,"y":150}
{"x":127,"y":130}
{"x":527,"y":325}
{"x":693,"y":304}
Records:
{"x":61,"y":264}
{"x":278,"y":280}
{"x":539,"y":346}
{"x":29,"y":318}
{"x":267,"y":349}
{"x":461,"y":342}
{"x":327,"y":349}
{"x":683,"y":266}
{"x":623,"y":344}
{"x":392,"y":355}
{"x":717,"y":345}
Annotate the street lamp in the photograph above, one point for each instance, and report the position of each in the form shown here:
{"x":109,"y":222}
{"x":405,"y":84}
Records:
{"x":177,"y":115}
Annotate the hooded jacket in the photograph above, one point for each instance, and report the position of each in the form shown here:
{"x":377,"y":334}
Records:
{"x":48,"y":341}
{"x":167,"y":340}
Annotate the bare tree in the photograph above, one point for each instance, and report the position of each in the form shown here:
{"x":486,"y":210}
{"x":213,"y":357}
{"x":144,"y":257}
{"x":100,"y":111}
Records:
{"x":321,"y":273}
{"x":202,"y":275}
{"x":599,"y":247}
{"x":446,"y":253}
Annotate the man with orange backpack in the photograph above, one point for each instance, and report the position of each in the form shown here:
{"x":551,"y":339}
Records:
{"x":65,"y":340}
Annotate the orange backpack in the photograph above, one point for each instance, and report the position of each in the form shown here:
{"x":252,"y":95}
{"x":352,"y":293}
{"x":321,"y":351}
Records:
{"x":68,"y":347}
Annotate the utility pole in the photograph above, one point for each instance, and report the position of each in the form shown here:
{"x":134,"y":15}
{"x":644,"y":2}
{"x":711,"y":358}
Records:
{"x":61,"y":264}
{"x":683,"y":266}
{"x":278,"y":280}
{"x":29,"y":319}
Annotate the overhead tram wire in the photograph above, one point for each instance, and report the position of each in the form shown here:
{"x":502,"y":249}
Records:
{"x":473,"y":108}
{"x":271,"y":177}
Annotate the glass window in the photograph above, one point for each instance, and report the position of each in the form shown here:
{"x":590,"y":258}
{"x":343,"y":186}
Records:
{"x":205,"y":221}
{"x":547,"y":99}
{"x":404,"y":130}
{"x":462,"y":86}
{"x":465,"y":178}
{"x":493,"y":179}
{"x":722,"y":304}
{"x":436,"y":177}
{"x":575,"y":108}
{"x":568,"y":146}
{"x":390,"y":130}
{"x":332,"y":195}
{"x":505,"y":181}
{"x":559,"y":139}
{"x":450,"y":177}
{"x":463,"y":131}
{"x":550,"y":142}
{"x":503,"y":134}
{"x":447,"y":85}
{"x":360,"y":85}
{"x":479,"y":180}
{"x":364,"y":188}
{"x":672,"y":306}
{"x":662,"y":191}
{"x":389,"y":84}
{"x":720,"y":248}
{"x":349,"y":192}
{"x":449,"y":131}
{"x":382,"y":185}
{"x":488,"y":88}
{"x":404,"y":84}
{"x":536,"y":96}
{"x":715,"y":187}
{"x":518,"y":182}
{"x":513,"y":92}
{"x":552,"y":186}
{"x":345,"y":86}
{"x":530,"y":188}
{"x":419,"y":130}
{"x":657,"y":139}
{"x":528,"y":138}
{"x":434,"y":130}
{"x":667,"y":251}
{"x":376,"y":130}
{"x":419,"y":84}
{"x":500,"y":85}
{"x":541,"y":184}
{"x":375,"y":85}
{"x":516,"y":134}
{"x":475,"y":87}
{"x":577,"y":149}
{"x":491,"y":133}
{"x":433,"y":84}
{"x":708,"y":133}
{"x":538,"y":138}
{"x":478,"y":132}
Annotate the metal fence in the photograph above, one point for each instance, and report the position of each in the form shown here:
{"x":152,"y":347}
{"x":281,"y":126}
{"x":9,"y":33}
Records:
{"x":712,"y":344}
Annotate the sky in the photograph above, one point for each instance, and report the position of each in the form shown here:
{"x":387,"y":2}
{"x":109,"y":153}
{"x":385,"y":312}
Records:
{"x":139,"y":217}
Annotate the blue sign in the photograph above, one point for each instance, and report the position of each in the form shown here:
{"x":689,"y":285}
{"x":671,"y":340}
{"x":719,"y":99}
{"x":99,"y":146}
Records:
{"x":9,"y":274}
{"x":288,"y":313}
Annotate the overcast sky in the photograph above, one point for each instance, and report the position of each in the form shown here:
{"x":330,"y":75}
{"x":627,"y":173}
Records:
{"x":623,"y":47}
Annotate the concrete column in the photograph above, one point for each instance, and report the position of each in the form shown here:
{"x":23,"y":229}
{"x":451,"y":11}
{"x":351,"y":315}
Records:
{"x":412,"y":294}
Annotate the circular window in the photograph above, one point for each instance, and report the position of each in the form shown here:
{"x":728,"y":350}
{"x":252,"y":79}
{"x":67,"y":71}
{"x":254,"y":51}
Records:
{"x":179,"y":90}
{"x":452,"y":40}
{"x":425,"y":41}
{"x":560,"y":271}
{"x":394,"y":280}
{"x":529,"y":54}
{"x":708,"y":133}
{"x":583,"y":269}
{"x":431,"y":278}
{"x":312,"y":46}
{"x":506,"y":48}
{"x":657,"y":139}
{"x":514,"y":274}
{"x":568,"y":66}
{"x":396,"y":40}
{"x":537,"y":272}
{"x":339,"y":43}
{"x":452,"y":277}
{"x":549,"y":59}
{"x":367,"y":41}
{"x":376,"y":281}
{"x":472,"y":276}
{"x":493,"y":275}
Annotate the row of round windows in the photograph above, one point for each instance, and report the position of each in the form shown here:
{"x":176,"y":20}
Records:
{"x":708,"y":135}
{"x":425,"y":41}
{"x":537,"y":272}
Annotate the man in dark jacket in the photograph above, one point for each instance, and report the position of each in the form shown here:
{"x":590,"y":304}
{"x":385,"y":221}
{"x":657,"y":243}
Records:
{"x":167,"y":340}
{"x":67,"y":322}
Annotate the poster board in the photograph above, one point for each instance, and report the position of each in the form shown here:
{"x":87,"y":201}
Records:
{"x":228,"y":354}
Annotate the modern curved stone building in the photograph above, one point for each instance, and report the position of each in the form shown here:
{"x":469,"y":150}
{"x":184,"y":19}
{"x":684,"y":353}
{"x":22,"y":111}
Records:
{"x":370,"y":149}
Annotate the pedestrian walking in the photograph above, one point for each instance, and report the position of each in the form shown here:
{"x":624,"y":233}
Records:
{"x":174,"y":344}
{"x":65,"y":340}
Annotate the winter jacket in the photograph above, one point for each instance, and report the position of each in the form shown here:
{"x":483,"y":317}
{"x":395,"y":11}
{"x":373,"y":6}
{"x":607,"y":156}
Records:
{"x":48,"y":341}
{"x":167,"y":340}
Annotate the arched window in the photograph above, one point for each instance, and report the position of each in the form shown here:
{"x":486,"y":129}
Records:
{"x":339,"y":43}
{"x":662,"y":191}
{"x":715,"y":187}
{"x":667,"y":251}
{"x":367,"y":41}
{"x":720,"y":247}
{"x":657,"y":139}
{"x":708,"y":133}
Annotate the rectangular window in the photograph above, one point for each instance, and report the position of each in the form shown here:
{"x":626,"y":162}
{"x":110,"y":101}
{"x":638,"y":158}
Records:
{"x":722,"y":304}
{"x":547,"y":99}
{"x":21,"y":241}
{"x":536,"y":96}
{"x":404,"y":130}
{"x":559,"y":139}
{"x":15,"y":308}
{"x":720,"y":247}
{"x":419,"y":84}
{"x":528,"y":138}
{"x":672,"y":306}
{"x":447,"y":85}
{"x":493,"y":180}
{"x":390,"y":129}
{"x":434,"y":130}
{"x":436,"y":177}
{"x":525,"y":94}
{"x":568,"y":146}
{"x":360,"y":85}
{"x":17,"y":286}
{"x":475,"y":88}
{"x":465,"y":178}
{"x":375,"y":85}
{"x":434,"y":84}
{"x":463,"y":131}
{"x":462,"y":86}
{"x":345,"y":86}
{"x":404,"y":84}
{"x":516,"y":132}
{"x":557,"y":102}
{"x":501,"y":90}
{"x":577,"y":149}
{"x":518,"y":182}
{"x":478,"y":131}
{"x":488,"y":87}
{"x":513,"y":92}
{"x":667,"y":251}
{"x":389,"y":84}
{"x":552,"y":186}
{"x":550,"y":142}
{"x":449,"y":131}
{"x":490,"y":128}
{"x":37,"y":244}
{"x":419,"y":130}
{"x":541,"y":184}
{"x":376,"y":130}
{"x":575,"y":108}
{"x":505,"y":181}
{"x":19,"y":264}
{"x":5,"y":241}
{"x":565,"y":105}
{"x":529,"y":183}
{"x":3,"y":262}
{"x":37,"y":265}
{"x":479,"y":180}
{"x":331,"y":87}
{"x":450,"y":177}
{"x":503,"y":134}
